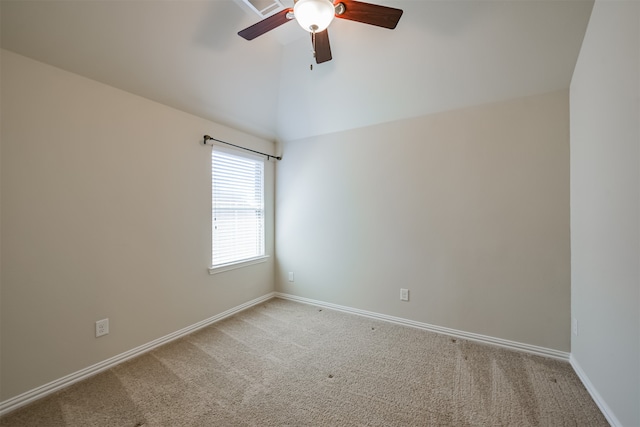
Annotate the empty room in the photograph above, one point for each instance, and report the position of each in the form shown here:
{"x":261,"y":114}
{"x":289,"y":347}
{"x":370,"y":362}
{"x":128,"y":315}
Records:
{"x":320,"y":213}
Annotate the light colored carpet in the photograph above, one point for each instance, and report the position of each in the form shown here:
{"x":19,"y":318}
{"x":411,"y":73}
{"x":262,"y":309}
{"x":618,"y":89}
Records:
{"x":283,"y":363}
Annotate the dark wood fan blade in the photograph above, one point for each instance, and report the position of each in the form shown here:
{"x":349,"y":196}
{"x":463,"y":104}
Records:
{"x":323,"y":49}
{"x":373,"y":14}
{"x":265,"y":25}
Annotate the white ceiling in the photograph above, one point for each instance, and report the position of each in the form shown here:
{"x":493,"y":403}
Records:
{"x":444,"y":54}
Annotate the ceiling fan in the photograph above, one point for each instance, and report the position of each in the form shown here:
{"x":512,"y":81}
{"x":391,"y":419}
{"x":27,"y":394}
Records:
{"x":315,"y":16}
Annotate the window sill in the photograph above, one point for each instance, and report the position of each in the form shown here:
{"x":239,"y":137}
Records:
{"x":233,"y":265}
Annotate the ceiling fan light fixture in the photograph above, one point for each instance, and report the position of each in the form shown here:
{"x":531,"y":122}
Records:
{"x":314,"y":15}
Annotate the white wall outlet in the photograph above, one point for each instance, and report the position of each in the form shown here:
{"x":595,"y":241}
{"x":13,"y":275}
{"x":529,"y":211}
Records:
{"x":102,"y":327}
{"x":574,"y":326}
{"x":291,"y":276}
{"x":404,"y":294}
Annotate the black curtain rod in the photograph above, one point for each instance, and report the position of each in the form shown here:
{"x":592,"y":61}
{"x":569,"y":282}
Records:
{"x":269,"y":156}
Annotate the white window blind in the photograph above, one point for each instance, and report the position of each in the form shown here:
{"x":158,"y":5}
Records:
{"x":237,"y":208}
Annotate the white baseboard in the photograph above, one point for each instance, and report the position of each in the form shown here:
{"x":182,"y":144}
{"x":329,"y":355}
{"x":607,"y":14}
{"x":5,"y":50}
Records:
{"x":44,"y":390}
{"x":604,"y":408}
{"x":511,"y":345}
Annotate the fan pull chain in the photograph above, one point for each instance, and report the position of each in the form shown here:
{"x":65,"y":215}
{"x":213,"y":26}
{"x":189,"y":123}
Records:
{"x":313,"y":42}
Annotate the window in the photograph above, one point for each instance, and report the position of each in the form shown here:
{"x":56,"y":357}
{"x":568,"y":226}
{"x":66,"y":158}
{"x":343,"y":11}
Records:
{"x":237,"y":208}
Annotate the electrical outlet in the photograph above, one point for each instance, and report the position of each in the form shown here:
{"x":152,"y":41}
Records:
{"x":102,"y":327}
{"x":404,"y":294}
{"x":574,"y":326}
{"x":291,"y":276}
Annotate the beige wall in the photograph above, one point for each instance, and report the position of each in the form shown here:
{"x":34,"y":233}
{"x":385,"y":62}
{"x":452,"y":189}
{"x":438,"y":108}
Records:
{"x":468,"y":209}
{"x":105,"y":213}
{"x":605,"y":207}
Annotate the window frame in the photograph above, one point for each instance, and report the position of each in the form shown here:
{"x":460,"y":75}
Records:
{"x":219,"y":268}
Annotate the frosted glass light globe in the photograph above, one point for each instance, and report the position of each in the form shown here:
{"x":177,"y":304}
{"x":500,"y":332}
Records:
{"x":314,"y":15}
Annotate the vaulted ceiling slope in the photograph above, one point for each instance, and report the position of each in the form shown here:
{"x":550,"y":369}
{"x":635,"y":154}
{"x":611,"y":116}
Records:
{"x":444,"y":54}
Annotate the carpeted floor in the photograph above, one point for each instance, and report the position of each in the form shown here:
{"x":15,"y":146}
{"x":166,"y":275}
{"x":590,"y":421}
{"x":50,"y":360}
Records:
{"x":283,"y":363}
